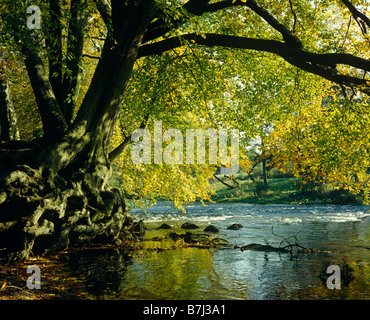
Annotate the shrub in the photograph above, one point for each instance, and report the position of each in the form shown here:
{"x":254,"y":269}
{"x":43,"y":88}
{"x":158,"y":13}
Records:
{"x":310,"y":188}
{"x":261,"y":189}
{"x":344,"y":197}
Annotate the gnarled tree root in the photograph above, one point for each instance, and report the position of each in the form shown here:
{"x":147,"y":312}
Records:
{"x":41,"y":215}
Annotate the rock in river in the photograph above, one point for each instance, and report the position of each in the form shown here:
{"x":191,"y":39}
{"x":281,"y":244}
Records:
{"x":188,"y":225}
{"x":175,"y":236}
{"x":211,"y":228}
{"x":164,"y":226}
{"x":234,"y":226}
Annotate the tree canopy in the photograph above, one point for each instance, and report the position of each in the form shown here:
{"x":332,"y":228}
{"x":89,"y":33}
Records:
{"x":200,"y":63}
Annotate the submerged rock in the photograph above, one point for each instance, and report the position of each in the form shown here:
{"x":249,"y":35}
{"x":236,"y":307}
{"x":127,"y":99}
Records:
{"x":347,"y":273}
{"x":307,"y":250}
{"x":211,"y":228}
{"x":234,"y":226}
{"x":200,"y":240}
{"x":204,"y":240}
{"x":164,"y":226}
{"x":175,"y":236}
{"x":219,"y":242}
{"x":189,"y":225}
{"x":190,"y":237}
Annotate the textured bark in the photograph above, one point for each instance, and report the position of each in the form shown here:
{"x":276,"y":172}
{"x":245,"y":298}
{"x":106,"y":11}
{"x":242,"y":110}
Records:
{"x":76,"y":37}
{"x":8,"y":118}
{"x":54,"y":44}
{"x":54,"y":124}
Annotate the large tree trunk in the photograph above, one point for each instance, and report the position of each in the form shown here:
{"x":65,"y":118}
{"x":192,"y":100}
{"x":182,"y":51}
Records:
{"x":56,"y":193}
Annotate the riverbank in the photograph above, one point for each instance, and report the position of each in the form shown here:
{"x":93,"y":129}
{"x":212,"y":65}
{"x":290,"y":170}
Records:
{"x":57,"y":283}
{"x":58,"y":279}
{"x":280,"y":191}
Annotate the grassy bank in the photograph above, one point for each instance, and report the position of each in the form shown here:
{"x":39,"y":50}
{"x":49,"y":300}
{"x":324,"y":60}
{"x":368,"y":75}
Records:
{"x":280,"y":191}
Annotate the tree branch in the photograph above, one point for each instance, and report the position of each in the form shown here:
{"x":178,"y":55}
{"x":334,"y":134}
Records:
{"x":120,"y":149}
{"x":75,"y":46}
{"x":53,"y":121}
{"x":105,"y":11}
{"x":54,"y":124}
{"x":224,"y":183}
{"x":90,"y":56}
{"x":356,"y":13}
{"x":8,"y":119}
{"x":127,"y":141}
{"x":288,"y":36}
{"x":294,"y":15}
{"x":320,"y":64}
{"x":55,"y":49}
{"x":160,"y":26}
{"x":198,"y":8}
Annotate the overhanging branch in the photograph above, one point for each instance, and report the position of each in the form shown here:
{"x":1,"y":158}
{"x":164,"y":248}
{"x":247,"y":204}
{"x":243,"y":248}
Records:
{"x":323,"y":65}
{"x":356,"y":13}
{"x":127,"y":141}
{"x":197,"y":7}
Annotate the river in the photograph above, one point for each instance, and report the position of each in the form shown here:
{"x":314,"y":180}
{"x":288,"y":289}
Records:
{"x":339,"y":233}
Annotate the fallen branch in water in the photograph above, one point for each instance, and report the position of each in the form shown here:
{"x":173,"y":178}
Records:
{"x":288,"y":248}
{"x":291,"y":245}
{"x":261,"y":247}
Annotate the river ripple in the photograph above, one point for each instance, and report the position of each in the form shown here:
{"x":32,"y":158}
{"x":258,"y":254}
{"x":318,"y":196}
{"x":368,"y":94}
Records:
{"x":192,"y":273}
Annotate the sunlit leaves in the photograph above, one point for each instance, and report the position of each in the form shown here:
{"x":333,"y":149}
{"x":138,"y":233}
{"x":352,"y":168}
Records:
{"x":326,"y":141}
{"x":215,"y":87}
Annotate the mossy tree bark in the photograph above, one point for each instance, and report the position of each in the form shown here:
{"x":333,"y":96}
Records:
{"x":8,"y":119}
{"x":55,"y":192}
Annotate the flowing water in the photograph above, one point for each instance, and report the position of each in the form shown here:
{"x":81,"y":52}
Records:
{"x":341,"y":233}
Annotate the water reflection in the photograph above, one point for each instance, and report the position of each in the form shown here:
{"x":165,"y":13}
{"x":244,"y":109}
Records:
{"x":185,"y":273}
{"x":193,"y":273}
{"x":102,"y":270}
